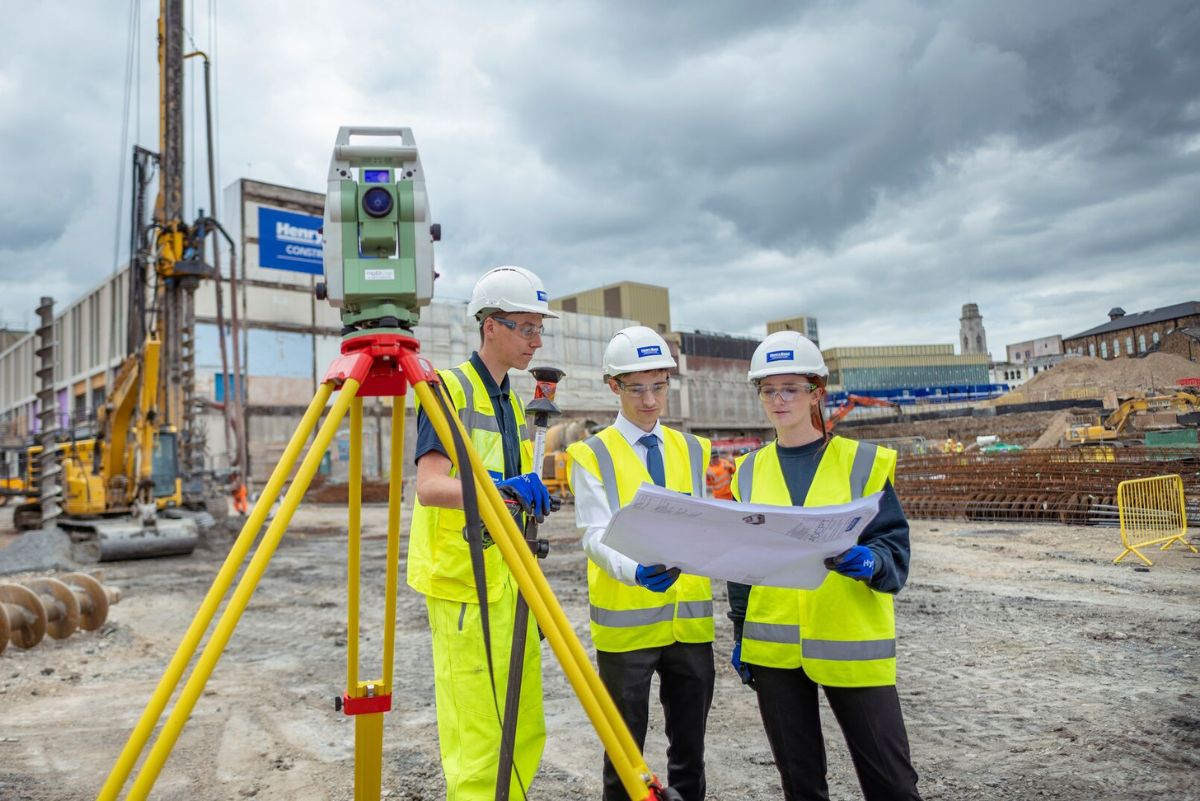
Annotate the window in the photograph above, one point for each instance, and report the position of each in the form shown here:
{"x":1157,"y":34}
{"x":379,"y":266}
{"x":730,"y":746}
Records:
{"x":1154,"y":337}
{"x":1092,"y":349}
{"x":1129,"y":344}
{"x":1141,"y":343}
{"x":1116,"y":347}
{"x":1103,"y":350}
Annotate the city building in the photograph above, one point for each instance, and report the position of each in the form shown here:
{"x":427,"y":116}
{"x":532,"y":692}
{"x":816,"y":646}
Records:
{"x":714,"y":397}
{"x":1132,"y":334}
{"x":908,"y":373}
{"x":647,"y":304}
{"x":804,"y":324}
{"x":970,"y":330}
{"x":1027,"y":352}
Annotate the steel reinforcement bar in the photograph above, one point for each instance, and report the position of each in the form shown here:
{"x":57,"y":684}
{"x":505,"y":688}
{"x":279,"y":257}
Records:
{"x":1075,"y":486}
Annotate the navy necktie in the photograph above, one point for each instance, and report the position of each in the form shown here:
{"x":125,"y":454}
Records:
{"x":654,"y":460}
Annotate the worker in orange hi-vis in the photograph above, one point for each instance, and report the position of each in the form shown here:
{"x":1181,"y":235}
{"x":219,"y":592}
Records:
{"x":719,"y":477}
{"x":240,"y":502}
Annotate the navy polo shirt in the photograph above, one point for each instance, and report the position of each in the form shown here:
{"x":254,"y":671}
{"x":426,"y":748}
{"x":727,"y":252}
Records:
{"x":427,"y":439}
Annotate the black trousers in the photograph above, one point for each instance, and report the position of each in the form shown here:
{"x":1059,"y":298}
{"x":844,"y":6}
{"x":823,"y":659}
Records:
{"x":686,"y":675}
{"x":871,"y":722}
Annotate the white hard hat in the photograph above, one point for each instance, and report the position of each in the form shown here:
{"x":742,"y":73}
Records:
{"x":635,"y":349}
{"x":509,"y":289}
{"x":787,"y":353}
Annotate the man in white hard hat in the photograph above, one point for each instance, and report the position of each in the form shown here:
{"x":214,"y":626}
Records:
{"x":646,"y":619}
{"x":509,"y":304}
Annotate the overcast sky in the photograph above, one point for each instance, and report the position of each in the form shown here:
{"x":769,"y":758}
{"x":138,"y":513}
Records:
{"x":874,"y":164}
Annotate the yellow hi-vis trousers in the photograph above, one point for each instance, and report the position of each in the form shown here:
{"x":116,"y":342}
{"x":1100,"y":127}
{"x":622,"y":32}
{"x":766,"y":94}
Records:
{"x":468,"y":728}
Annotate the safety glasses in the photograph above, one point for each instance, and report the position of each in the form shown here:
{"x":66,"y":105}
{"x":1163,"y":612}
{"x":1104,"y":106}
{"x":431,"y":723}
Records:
{"x":637,"y":390}
{"x":526,"y":330}
{"x":787,"y":394}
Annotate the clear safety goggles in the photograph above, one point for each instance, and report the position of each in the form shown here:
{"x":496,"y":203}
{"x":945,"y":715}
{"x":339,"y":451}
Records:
{"x":637,"y":390}
{"x":787,"y":394}
{"x":526,"y":330}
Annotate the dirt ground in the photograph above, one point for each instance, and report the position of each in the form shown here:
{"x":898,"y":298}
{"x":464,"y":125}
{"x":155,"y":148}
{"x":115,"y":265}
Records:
{"x":1030,"y":667}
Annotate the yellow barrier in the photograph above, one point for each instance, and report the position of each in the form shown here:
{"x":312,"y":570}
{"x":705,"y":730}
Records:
{"x":1152,"y":513}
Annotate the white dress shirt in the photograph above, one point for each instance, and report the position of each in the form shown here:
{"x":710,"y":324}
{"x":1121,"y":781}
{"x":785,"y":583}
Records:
{"x":591,"y":505}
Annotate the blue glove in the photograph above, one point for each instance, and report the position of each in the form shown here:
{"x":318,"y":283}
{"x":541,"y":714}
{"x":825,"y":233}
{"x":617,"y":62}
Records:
{"x":856,"y":563}
{"x":656,"y":578}
{"x":532,"y":491}
{"x":743,"y":670}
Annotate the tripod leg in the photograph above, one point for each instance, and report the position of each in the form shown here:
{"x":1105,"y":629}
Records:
{"x":241,"y":597}
{"x":212,"y":600}
{"x":395,"y":485}
{"x":368,"y":726}
{"x":353,"y":539}
{"x":597,"y":703}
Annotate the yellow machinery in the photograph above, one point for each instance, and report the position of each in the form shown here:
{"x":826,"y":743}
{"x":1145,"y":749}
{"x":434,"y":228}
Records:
{"x":147,"y":454}
{"x":1113,"y":426}
{"x":555,"y":465}
{"x":115,"y":483}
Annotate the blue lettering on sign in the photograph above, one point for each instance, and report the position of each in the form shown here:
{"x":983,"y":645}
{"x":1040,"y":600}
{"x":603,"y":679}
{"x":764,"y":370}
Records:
{"x":781,"y":356}
{"x":649,"y":350}
{"x":541,"y":295}
{"x":290,"y":241}
{"x":853,"y":522}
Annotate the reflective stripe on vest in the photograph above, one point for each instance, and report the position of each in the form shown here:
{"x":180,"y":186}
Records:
{"x":631,"y":618}
{"x":843,"y":651}
{"x":608,"y":473}
{"x":772,"y":632}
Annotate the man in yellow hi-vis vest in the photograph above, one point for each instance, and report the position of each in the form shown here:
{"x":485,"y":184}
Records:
{"x":646,"y":619}
{"x":509,"y":303}
{"x":841,"y":636}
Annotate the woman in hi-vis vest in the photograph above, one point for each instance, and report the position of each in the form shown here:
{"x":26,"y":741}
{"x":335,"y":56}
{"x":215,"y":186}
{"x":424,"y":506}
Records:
{"x":841,"y":636}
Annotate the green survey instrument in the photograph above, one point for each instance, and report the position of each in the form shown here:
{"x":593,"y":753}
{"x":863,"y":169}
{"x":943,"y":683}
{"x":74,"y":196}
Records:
{"x":378,"y":239}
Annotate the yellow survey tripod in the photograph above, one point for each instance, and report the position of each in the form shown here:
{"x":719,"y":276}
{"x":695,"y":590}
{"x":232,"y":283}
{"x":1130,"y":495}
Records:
{"x":373,"y":363}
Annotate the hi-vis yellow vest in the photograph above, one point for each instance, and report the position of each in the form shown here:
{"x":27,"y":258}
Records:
{"x":625,"y":618}
{"x":843,"y":634}
{"x":439,"y":559}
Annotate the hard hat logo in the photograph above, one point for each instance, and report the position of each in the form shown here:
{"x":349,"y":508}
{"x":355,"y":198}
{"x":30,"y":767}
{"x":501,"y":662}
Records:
{"x":649,"y":350}
{"x":780,"y":355}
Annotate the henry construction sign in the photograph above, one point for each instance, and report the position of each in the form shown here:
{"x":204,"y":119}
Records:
{"x":289,"y":241}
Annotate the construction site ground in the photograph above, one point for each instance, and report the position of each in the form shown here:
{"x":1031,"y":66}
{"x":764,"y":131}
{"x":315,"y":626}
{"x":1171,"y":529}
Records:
{"x":1030,"y":667}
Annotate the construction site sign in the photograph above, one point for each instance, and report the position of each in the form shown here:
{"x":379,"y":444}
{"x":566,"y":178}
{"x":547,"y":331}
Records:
{"x":289,"y":241}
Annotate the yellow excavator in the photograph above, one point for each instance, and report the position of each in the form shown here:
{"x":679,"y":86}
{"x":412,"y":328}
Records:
{"x":1113,"y":427}
{"x":122,"y":491}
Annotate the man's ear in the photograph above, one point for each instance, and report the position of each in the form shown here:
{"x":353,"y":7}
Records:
{"x":612,"y":384}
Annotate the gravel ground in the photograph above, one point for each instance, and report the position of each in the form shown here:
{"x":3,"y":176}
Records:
{"x":1030,"y":667}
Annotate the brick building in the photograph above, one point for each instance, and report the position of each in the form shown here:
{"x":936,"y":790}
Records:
{"x":1132,"y":334}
